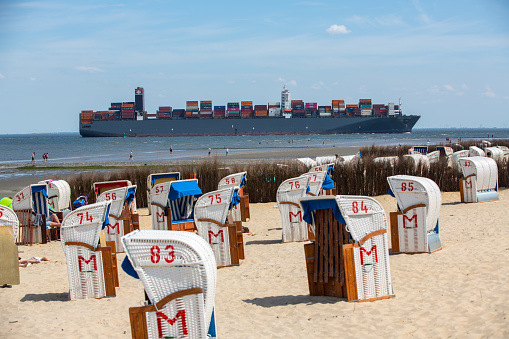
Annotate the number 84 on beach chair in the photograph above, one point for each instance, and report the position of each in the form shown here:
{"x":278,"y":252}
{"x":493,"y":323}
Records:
{"x":349,"y":257}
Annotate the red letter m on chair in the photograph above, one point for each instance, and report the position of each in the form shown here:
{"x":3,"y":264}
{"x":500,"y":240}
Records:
{"x":92,"y":258}
{"x":468,"y":183}
{"x":117,"y":226}
{"x":295,"y":215}
{"x":215,"y":235}
{"x":160,"y":216}
{"x":180,"y":314}
{"x":368,"y":253}
{"x":405,"y":219}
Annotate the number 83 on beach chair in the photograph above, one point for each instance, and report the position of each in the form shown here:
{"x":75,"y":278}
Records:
{"x":349,"y":257}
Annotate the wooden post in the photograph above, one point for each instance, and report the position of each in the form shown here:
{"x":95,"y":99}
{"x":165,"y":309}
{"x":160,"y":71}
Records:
{"x":114,"y":262}
{"x":234,"y":248}
{"x":109,"y":282}
{"x":394,"y":231}
{"x":349,"y":268}
{"x":240,"y":240}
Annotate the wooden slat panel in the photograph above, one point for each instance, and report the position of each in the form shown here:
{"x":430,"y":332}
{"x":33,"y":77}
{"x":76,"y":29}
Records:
{"x":136,"y":221}
{"x":138,"y":320}
{"x":240,"y":240}
{"x":309,"y":251}
{"x":349,"y":268}
{"x":394,"y":231}
{"x":114,"y":262}
{"x":234,"y":249}
{"x":109,"y":282}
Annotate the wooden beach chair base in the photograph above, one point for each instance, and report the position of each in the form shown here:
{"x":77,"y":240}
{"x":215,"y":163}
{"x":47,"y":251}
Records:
{"x":187,"y":226}
{"x":244,"y":208}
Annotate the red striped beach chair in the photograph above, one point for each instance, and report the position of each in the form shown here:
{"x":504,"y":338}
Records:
{"x":414,"y":228}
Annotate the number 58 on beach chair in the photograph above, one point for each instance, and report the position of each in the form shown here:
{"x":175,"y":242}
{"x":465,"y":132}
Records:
{"x":91,"y":271}
{"x":414,"y":228}
{"x":240,"y":212}
{"x":211,"y":219}
{"x":178,"y":272}
{"x":349,"y":257}
{"x":480,"y":179}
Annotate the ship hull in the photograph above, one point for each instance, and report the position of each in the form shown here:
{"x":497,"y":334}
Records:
{"x":249,"y":126}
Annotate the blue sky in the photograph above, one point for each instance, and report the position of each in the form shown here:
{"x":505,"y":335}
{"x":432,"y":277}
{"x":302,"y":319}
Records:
{"x":447,"y":60}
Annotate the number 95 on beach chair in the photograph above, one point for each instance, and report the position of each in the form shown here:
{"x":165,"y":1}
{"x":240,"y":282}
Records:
{"x":414,"y":228}
{"x":349,"y":257}
{"x":288,"y":195}
{"x":178,"y":272}
{"x":91,"y":271}
{"x":480,"y":179}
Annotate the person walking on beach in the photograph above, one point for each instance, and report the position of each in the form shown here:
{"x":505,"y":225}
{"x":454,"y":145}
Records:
{"x":171,"y":150}
{"x":209,"y":151}
{"x":131,"y":156}
{"x":226,"y":150}
{"x":33,"y":157}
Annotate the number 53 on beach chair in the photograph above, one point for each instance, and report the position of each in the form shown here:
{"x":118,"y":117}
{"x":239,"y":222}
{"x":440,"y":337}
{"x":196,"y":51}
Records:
{"x":349,"y":257}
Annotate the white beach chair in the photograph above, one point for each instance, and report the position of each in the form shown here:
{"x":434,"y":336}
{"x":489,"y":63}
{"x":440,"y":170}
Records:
{"x":418,"y":150}
{"x":31,"y":206}
{"x":103,"y":186}
{"x":459,"y":154}
{"x":288,"y":195}
{"x":418,"y":160}
{"x":210,"y":216}
{"x":178,"y":272}
{"x":504,"y":149}
{"x":159,"y":205}
{"x":391,"y":161}
{"x":240,"y":212}
{"x":315,"y":182}
{"x":325,"y":160}
{"x":495,"y":153}
{"x":9,"y":218}
{"x":475,"y":151}
{"x":445,"y":151}
{"x":433,"y":157}
{"x":120,"y":222}
{"x":59,"y":195}
{"x":156,"y":179}
{"x":91,"y":270}
{"x":480,"y":179}
{"x":182,"y":196}
{"x":307,"y":161}
{"x":414,"y":228}
{"x":349,"y":257}
{"x":327,"y":186}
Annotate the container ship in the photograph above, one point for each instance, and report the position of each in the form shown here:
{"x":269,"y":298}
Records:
{"x":129,"y":119}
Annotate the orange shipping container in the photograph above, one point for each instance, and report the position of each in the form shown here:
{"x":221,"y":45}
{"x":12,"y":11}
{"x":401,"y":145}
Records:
{"x":352,"y":105}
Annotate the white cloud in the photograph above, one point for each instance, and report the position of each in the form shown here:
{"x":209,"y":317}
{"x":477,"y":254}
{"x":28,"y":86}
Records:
{"x":359,"y":20}
{"x":88,"y":69}
{"x":449,"y":88}
{"x":422,"y":14}
{"x":2,"y":76}
{"x":319,"y":85}
{"x":337,"y":29}
{"x":281,"y":79}
{"x":433,"y":90}
{"x":32,"y":79}
{"x":464,"y":86}
{"x":292,"y":82}
{"x":489,"y":92}
{"x":390,"y":20}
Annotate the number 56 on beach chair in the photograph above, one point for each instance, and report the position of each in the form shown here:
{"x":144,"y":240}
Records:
{"x":91,"y":271}
{"x":414,"y":228}
{"x":349,"y":257}
{"x":288,"y":195}
{"x":179,"y":274}
{"x":210,"y":216}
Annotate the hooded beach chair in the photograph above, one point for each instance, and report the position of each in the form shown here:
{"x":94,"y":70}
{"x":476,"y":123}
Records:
{"x":120,"y":217}
{"x":495,"y":153}
{"x":349,"y":257}
{"x":182,"y":196}
{"x":179,"y":275}
{"x":327,"y":186}
{"x":240,"y":212}
{"x":156,"y":179}
{"x":288,"y":195}
{"x":433,"y":156}
{"x":414,"y":228}
{"x":9,"y":262}
{"x":211,"y":218}
{"x":90,"y":268}
{"x":159,"y":206}
{"x":31,"y":206}
{"x":456,"y":155}
{"x":59,"y":196}
{"x":390,"y":161}
{"x":417,"y":160}
{"x":480,"y":179}
{"x":475,"y":151}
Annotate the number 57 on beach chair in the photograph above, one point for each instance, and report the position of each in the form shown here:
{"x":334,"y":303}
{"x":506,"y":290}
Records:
{"x":178,"y":272}
{"x":349,"y":257}
{"x":414,"y":228}
{"x":91,"y":271}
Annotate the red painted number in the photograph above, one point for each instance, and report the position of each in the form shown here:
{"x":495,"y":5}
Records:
{"x":20,"y":197}
{"x":230,"y":180}
{"x":318,"y":169}
{"x":217,"y":197}
{"x":407,"y":187}
{"x":297,"y":185}
{"x":87,"y":217}
{"x":111,"y":196}
{"x":1,"y":212}
{"x":468,"y":164}
{"x":355,"y":207}
{"x":159,"y":189}
{"x":155,"y":256}
{"x":314,"y":177}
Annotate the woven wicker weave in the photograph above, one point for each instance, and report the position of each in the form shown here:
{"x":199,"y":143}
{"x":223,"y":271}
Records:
{"x":9,"y":218}
{"x":172,"y":261}
{"x":288,"y":195}
{"x":213,"y":206}
{"x":84,"y":266}
{"x":231,"y":180}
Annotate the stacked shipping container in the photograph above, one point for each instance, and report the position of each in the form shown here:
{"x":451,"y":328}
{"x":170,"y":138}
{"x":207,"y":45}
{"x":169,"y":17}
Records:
{"x":127,"y":110}
{"x":192,"y":109}
{"x":274,"y":109}
{"x":219,"y":111}
{"x":260,"y":110}
{"x":164,"y":112}
{"x":246,"y":109}
{"x":206,"y":108}
{"x":233,"y":109}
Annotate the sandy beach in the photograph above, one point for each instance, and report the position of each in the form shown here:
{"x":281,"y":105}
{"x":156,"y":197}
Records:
{"x":460,"y":291}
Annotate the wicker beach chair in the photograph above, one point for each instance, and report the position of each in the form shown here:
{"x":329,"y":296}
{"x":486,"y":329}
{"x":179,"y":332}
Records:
{"x":103,"y":186}
{"x":31,"y":206}
{"x":495,"y":153}
{"x":456,"y":155}
{"x":159,"y":205}
{"x":91,"y":270}
{"x":349,"y":257}
{"x":417,"y":160}
{"x":475,"y":151}
{"x":182,"y":196}
{"x":155,"y":179}
{"x":179,"y":275}
{"x":59,"y":195}
{"x":327,"y":186}
{"x":210,"y":216}
{"x":480,"y":179}
{"x":240,"y":212}
{"x":414,"y":228}
{"x":120,"y":216}
{"x":9,"y":218}
{"x":288,"y":195}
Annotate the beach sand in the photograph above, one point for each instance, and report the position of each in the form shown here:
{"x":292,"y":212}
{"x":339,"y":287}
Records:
{"x":461,"y":291}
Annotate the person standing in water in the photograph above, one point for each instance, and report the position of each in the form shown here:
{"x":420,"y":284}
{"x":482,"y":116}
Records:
{"x":131,"y":156}
{"x":171,"y":150}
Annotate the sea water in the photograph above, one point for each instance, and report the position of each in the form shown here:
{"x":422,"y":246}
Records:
{"x":71,"y":147}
